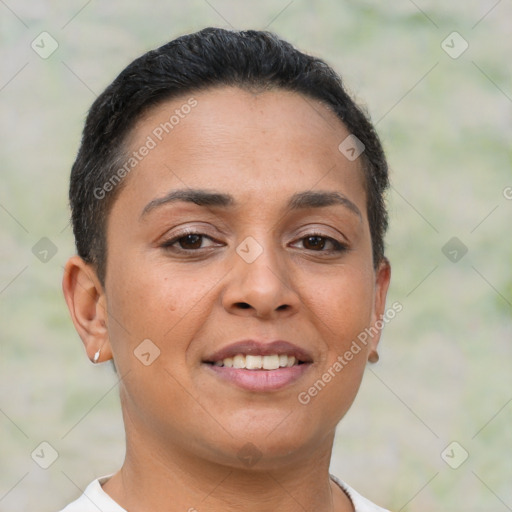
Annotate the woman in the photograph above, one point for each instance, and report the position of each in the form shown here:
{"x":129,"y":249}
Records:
{"x":227,"y":204}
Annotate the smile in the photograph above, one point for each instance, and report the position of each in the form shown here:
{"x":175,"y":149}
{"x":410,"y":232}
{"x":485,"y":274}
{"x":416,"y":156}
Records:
{"x":258,"y":362}
{"x":259,"y":366}
{"x":258,"y":373}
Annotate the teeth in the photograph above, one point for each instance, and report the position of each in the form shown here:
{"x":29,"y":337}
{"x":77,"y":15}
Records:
{"x":238,"y":361}
{"x":271,"y":362}
{"x":254,"y":362}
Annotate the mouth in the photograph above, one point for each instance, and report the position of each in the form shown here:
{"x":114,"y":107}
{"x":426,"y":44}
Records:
{"x":257,"y":366}
{"x":257,"y":362}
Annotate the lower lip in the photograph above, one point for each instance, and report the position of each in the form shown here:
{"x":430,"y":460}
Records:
{"x":260,"y":380}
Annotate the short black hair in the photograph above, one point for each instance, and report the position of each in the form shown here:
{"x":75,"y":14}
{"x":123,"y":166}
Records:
{"x":209,"y":58}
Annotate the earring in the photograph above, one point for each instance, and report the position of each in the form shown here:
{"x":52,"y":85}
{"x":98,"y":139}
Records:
{"x":373,"y":357}
{"x":96,"y":356}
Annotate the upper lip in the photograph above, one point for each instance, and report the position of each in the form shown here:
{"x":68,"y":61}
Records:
{"x":262,"y":348}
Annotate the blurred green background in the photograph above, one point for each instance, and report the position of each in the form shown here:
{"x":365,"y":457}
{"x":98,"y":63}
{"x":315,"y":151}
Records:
{"x":444,"y":113}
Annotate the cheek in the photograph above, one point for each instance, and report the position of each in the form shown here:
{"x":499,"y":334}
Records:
{"x":343,"y":312}
{"x":157,"y":302}
{"x":344,"y":304}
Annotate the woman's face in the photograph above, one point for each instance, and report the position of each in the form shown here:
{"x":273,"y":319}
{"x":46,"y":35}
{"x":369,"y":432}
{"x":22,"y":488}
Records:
{"x":242,"y":223}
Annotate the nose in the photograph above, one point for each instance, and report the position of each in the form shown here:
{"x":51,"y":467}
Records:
{"x":261,"y":288}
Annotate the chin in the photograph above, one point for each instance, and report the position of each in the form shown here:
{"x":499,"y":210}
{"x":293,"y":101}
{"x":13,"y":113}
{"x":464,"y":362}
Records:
{"x":260,"y":447}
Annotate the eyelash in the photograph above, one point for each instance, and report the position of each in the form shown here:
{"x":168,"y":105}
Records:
{"x":338,"y":247}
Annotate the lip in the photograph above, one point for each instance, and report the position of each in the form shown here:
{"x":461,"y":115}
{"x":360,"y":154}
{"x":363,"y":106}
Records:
{"x":259,"y":380}
{"x":260,"y":348}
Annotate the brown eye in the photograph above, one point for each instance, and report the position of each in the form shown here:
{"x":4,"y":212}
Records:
{"x":322,"y":244}
{"x":314,"y":242}
{"x":188,"y":243}
{"x":191,"y":241}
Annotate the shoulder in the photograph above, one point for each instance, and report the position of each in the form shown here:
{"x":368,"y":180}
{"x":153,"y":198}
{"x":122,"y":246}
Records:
{"x":361,"y":504}
{"x":94,"y":498}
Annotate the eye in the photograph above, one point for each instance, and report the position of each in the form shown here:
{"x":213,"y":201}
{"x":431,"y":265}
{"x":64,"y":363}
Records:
{"x":189,"y":241}
{"x":321,"y":243}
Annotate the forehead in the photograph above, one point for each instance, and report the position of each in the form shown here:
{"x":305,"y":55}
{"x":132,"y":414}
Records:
{"x":256,"y":144}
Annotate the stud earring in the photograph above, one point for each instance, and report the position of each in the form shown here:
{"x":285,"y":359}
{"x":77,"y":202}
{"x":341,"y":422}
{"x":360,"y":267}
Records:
{"x":373,"y":357}
{"x":96,"y":356}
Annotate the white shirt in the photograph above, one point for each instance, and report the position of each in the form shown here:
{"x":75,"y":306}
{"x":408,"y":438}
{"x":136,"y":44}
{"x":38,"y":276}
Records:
{"x":95,"y":498}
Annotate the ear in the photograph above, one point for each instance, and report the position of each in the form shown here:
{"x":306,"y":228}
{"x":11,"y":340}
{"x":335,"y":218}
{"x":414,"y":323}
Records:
{"x":382,"y":279}
{"x":87,"y":304}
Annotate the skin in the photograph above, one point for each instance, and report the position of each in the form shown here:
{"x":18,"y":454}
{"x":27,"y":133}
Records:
{"x":184,"y":426}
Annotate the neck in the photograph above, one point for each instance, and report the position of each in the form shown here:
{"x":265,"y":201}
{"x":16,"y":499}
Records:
{"x":176,"y":480}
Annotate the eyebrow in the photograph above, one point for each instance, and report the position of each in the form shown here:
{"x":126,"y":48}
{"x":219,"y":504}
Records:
{"x":300,"y":200}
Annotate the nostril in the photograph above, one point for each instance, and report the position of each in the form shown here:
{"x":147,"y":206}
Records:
{"x":243,"y":305}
